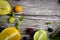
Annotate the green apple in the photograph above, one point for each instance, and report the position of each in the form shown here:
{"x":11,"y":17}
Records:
{"x":5,"y":8}
{"x":40,"y":35}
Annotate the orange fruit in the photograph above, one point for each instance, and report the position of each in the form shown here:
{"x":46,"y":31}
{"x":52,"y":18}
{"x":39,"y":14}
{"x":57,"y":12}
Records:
{"x":18,"y":8}
{"x":10,"y":33}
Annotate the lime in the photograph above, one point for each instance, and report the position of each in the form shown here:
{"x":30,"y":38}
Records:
{"x":5,"y":8}
{"x":11,"y":20}
{"x":10,"y":34}
{"x":40,"y":35}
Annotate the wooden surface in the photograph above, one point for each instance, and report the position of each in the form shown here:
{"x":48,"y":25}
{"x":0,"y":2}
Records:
{"x":36,"y":13}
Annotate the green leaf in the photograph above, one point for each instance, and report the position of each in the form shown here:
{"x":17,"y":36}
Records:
{"x":21,"y":18}
{"x":47,"y":23}
{"x":17,"y":24}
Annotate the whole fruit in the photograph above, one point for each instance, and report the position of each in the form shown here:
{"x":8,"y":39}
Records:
{"x":50,"y":29}
{"x":11,"y":20}
{"x":18,"y":8}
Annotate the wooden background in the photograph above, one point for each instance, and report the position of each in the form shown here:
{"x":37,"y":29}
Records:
{"x":36,"y":13}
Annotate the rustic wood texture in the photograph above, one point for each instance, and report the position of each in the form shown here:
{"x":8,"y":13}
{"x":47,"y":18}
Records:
{"x":39,"y":7}
{"x":36,"y":13}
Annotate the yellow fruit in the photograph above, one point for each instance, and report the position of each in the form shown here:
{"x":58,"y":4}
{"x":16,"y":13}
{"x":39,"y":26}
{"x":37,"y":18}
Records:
{"x":10,"y":34}
{"x":11,"y":20}
{"x":18,"y":8}
{"x":5,"y":8}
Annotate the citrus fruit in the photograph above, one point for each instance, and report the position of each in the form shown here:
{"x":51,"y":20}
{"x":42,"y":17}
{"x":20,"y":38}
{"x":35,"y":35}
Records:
{"x":11,"y":20}
{"x":40,"y":35}
{"x":5,"y":8}
{"x":18,"y":8}
{"x":10,"y":34}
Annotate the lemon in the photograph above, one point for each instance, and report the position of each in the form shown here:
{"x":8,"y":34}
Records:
{"x":18,"y":8}
{"x":11,"y":20}
{"x":5,"y":8}
{"x":40,"y":35}
{"x":10,"y":34}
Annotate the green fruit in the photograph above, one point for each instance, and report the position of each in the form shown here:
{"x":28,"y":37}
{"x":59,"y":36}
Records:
{"x":11,"y":20}
{"x":40,"y":35}
{"x":5,"y":8}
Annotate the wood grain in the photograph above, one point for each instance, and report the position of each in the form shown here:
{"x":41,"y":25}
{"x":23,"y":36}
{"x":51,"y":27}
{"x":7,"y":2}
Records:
{"x":36,"y":13}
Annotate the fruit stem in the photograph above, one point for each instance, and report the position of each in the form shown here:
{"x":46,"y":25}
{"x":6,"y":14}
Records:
{"x":17,"y":27}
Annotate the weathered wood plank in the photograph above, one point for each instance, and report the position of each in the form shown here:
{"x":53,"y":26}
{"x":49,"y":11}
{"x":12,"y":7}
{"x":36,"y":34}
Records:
{"x":39,"y":7}
{"x":33,"y":21}
{"x":36,"y":13}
